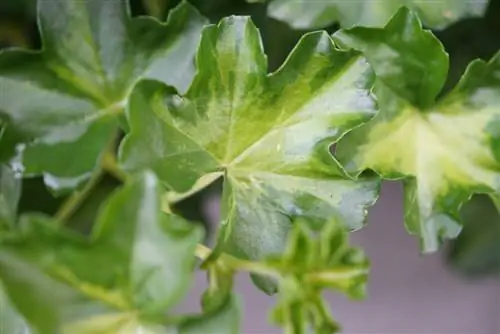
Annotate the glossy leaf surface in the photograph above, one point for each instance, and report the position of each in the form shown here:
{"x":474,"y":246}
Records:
{"x":311,"y":263}
{"x":65,"y":98}
{"x":308,"y":14}
{"x":445,"y":150}
{"x":268,"y":135}
{"x":135,"y":267}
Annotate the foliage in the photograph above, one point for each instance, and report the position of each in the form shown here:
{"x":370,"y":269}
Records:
{"x":304,"y":14}
{"x":125,"y":116}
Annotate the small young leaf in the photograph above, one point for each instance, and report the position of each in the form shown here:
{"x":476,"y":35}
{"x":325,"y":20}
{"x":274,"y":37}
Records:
{"x":137,"y":265}
{"x":445,"y":150}
{"x":65,"y":98}
{"x":313,"y":262}
{"x":220,"y":287}
{"x":269,"y":135}
{"x":306,"y":14}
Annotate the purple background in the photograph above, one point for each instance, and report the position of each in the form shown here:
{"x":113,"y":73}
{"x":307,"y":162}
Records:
{"x":407,"y":292}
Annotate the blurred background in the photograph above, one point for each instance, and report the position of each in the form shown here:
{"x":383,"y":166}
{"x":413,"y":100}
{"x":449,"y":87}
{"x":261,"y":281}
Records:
{"x":454,"y":291}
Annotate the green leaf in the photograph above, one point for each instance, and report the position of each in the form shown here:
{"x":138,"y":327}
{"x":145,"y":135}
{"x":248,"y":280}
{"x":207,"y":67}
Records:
{"x":220,"y":287}
{"x":10,"y":321}
{"x":10,"y":192}
{"x":136,"y":266}
{"x":306,"y":14}
{"x":65,"y":98}
{"x":313,"y":262}
{"x":268,"y":135}
{"x":445,"y":150}
{"x":226,"y":319}
{"x":83,"y":217}
{"x":476,"y":251}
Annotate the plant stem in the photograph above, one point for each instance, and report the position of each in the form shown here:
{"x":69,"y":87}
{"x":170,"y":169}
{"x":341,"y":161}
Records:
{"x":107,"y":164}
{"x":203,"y":252}
{"x":77,"y":198}
{"x":110,"y":165}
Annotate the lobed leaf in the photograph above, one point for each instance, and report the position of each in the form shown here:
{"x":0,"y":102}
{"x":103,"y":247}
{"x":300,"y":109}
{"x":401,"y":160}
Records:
{"x":445,"y":150}
{"x":65,"y":99}
{"x":309,"y":14}
{"x":269,"y":136}
{"x":136,"y":266}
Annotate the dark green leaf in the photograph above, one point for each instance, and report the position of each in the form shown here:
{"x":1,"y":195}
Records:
{"x":268,"y":135}
{"x":65,"y":98}
{"x":476,"y":251}
{"x":136,"y":266}
{"x":306,"y":14}
{"x":445,"y":150}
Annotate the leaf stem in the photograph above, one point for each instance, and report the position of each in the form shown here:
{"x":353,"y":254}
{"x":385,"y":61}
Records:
{"x":202,"y":252}
{"x":77,"y":198}
{"x":110,"y":165}
{"x":107,"y":164}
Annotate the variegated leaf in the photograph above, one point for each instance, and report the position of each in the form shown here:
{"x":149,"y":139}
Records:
{"x":446,"y":149}
{"x":269,"y":135}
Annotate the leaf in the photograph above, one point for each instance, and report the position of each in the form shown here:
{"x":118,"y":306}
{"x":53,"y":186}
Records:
{"x":313,"y":262}
{"x":476,"y":251}
{"x":268,"y":135}
{"x":137,"y":265}
{"x":220,"y":278}
{"x":10,"y":321}
{"x":65,"y":99}
{"x":10,"y":192}
{"x":82,"y":219}
{"x":224,"y":320}
{"x":445,"y":150}
{"x":306,"y":14}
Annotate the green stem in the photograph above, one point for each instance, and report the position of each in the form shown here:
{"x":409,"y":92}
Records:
{"x":72,"y":204}
{"x":203,"y":252}
{"x":110,"y":165}
{"x":107,"y":164}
